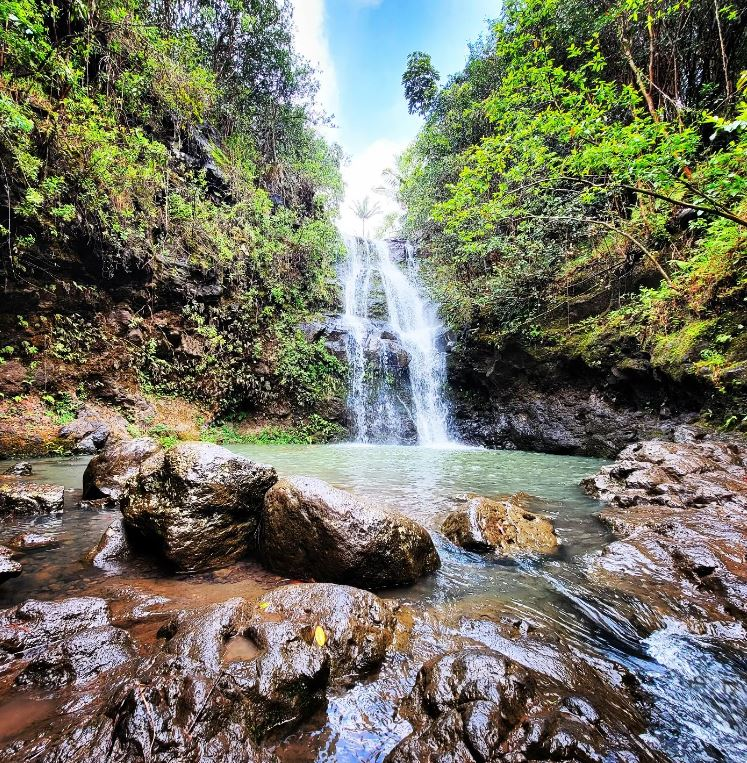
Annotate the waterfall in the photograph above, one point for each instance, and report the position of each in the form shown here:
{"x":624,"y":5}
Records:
{"x":396,"y":368}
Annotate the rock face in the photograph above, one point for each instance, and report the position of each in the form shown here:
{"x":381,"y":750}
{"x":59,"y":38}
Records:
{"x":680,"y":510}
{"x":109,"y":474}
{"x":201,"y":508}
{"x":505,"y":526}
{"x":9,"y":568}
{"x":310,"y":529}
{"x":19,"y":497}
{"x":532,"y":399}
{"x":476,"y":705}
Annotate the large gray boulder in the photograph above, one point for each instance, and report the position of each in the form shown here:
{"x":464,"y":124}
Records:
{"x":201,"y":508}
{"x":311,"y":530}
{"x":110,"y":474}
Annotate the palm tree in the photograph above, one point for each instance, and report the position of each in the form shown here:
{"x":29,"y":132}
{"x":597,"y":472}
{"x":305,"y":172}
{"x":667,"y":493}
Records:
{"x":364,"y":211}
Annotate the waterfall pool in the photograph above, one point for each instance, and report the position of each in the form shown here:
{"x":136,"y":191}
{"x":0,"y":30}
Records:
{"x":696,"y":687}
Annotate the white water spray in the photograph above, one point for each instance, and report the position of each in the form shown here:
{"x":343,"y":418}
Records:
{"x":397,"y":370}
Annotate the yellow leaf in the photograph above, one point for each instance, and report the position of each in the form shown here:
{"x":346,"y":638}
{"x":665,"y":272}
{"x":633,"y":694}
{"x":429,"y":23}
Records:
{"x":264,"y":604}
{"x":320,"y":636}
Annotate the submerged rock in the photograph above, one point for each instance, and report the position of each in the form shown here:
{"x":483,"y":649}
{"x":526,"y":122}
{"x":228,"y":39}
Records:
{"x":9,"y":568}
{"x":27,"y":542}
{"x":21,"y":469}
{"x":111,"y":473}
{"x":19,"y":497}
{"x":201,"y":508}
{"x":505,"y":526}
{"x":310,"y":529}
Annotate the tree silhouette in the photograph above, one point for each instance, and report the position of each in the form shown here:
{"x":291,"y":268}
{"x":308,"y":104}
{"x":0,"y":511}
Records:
{"x":364,"y":211}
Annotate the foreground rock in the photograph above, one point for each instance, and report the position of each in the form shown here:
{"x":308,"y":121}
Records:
{"x":310,"y":529}
{"x":9,"y":568}
{"x":680,"y":511}
{"x":19,"y":497}
{"x":200,"y":508}
{"x":477,"y":705}
{"x":111,"y":473}
{"x":186,"y":701}
{"x":505,"y":526}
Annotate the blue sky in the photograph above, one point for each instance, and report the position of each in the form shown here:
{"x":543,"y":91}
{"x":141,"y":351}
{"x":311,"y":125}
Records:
{"x":361,"y":49}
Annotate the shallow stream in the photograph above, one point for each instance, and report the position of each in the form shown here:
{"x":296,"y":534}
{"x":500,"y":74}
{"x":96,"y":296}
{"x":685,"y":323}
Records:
{"x":698,"y":688}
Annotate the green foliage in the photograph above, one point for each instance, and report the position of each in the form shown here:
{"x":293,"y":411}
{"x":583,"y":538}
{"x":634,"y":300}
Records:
{"x":147,"y":147}
{"x":420,"y":81}
{"x":308,"y":370}
{"x":558,"y":168}
{"x":315,"y":430}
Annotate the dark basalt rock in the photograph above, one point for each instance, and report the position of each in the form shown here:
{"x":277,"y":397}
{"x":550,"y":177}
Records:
{"x":680,"y":511}
{"x":505,"y":526}
{"x":9,"y":568}
{"x":310,"y":529}
{"x":21,"y":469}
{"x":185,"y":701}
{"x":476,"y":705}
{"x":201,"y":508}
{"x":356,"y":626}
{"x":110,"y":474}
{"x":78,"y":659}
{"x":39,"y":623}
{"x":113,"y":548}
{"x":20,"y":497}
{"x":27,"y":542}
{"x":527,"y":398}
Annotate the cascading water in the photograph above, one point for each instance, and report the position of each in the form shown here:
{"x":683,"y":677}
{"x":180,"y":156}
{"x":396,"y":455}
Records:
{"x":396,"y":368}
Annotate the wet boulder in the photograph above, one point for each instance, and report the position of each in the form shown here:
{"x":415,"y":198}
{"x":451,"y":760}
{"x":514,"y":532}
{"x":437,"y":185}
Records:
{"x":20,"y":497}
{"x":21,"y":469}
{"x":476,"y":705}
{"x":36,"y":624}
{"x":113,"y":548}
{"x":353,"y":627}
{"x":505,"y":526}
{"x":29,"y":542}
{"x":201,"y":508}
{"x":9,"y":568}
{"x":93,"y":428}
{"x":78,"y":658}
{"x":110,"y":474}
{"x":310,"y":529}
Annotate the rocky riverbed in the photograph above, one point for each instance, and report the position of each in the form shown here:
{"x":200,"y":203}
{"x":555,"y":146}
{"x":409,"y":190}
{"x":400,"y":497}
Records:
{"x":178,"y":638}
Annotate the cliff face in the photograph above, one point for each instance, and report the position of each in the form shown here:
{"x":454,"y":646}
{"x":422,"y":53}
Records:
{"x":531,"y":399}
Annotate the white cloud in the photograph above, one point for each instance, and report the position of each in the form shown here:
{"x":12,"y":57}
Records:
{"x":312,"y":43}
{"x":362,"y":176}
